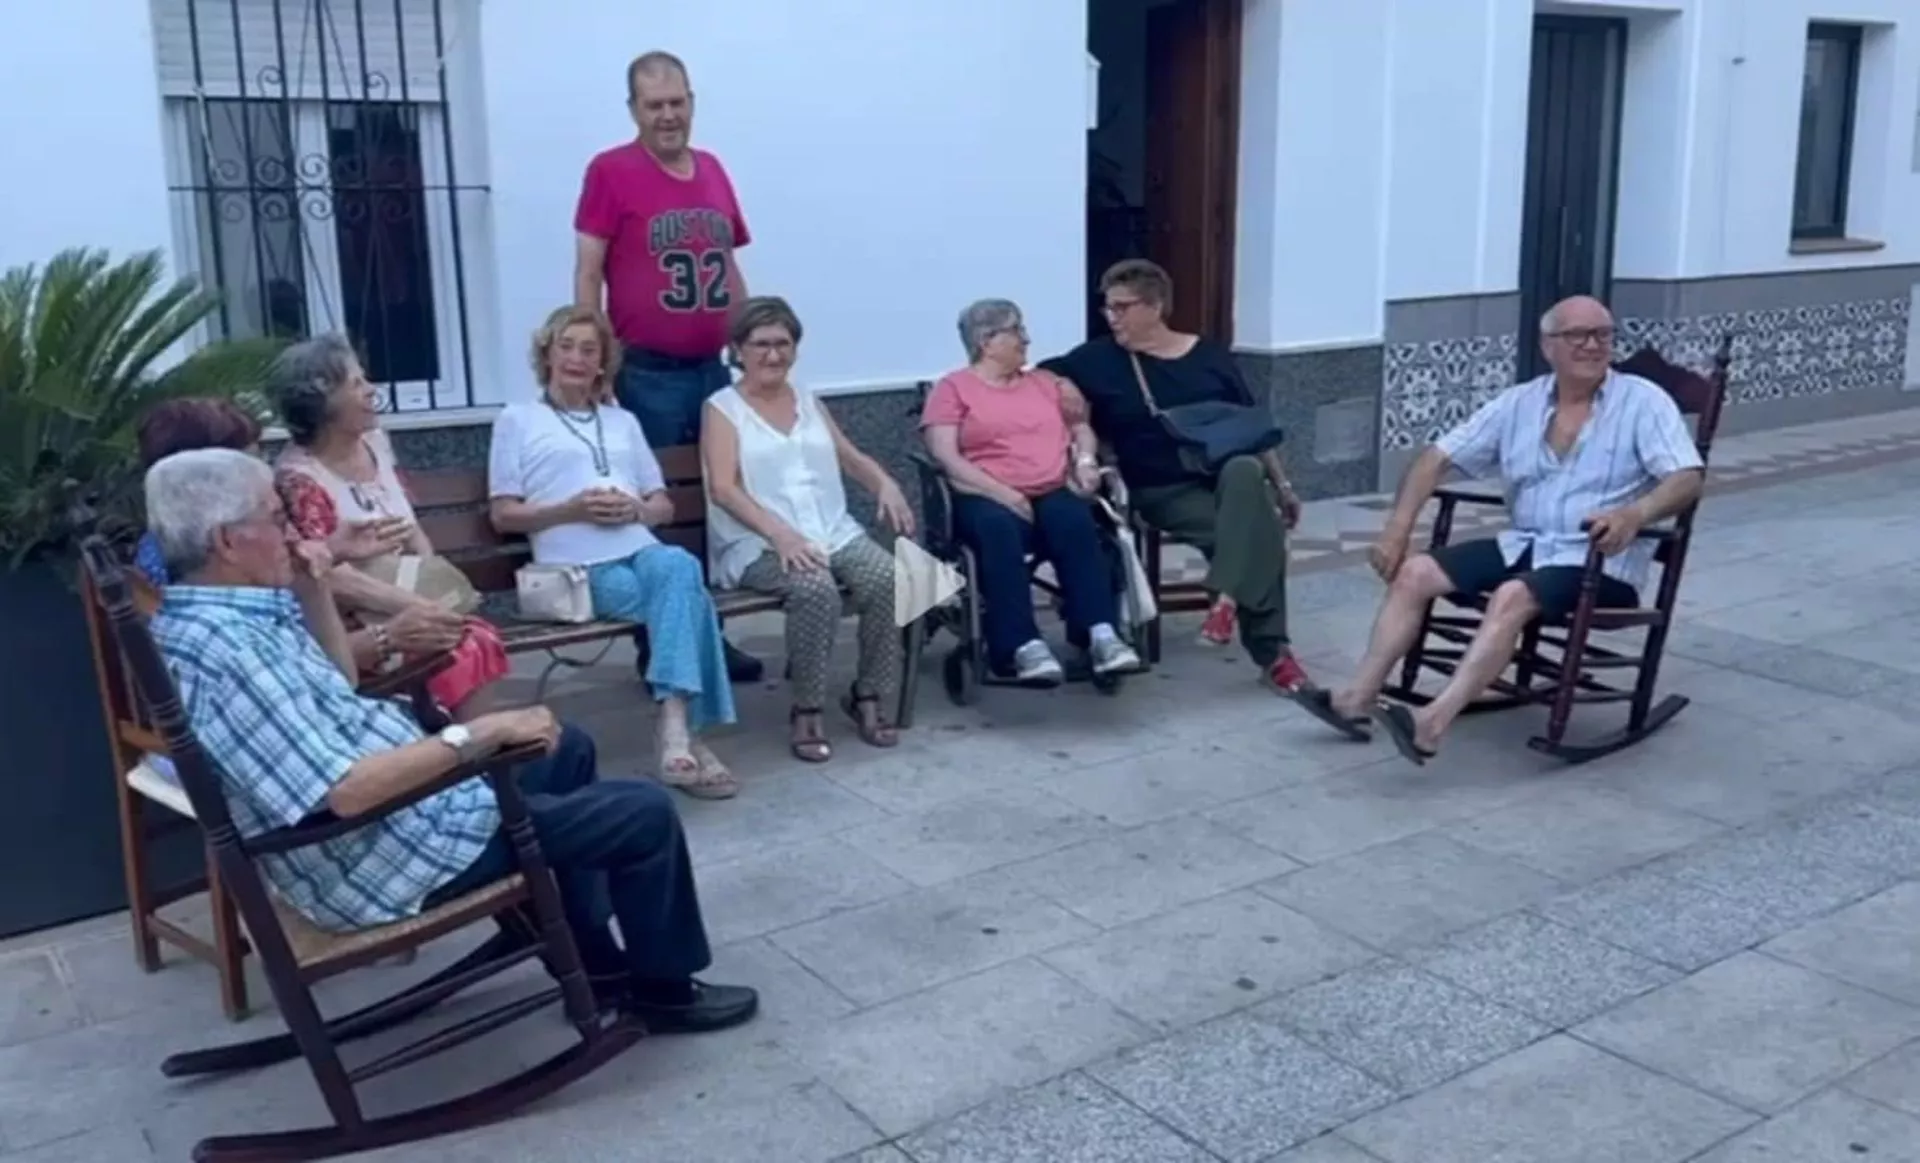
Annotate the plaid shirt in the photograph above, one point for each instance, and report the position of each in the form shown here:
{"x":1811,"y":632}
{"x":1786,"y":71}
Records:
{"x":283,"y":725}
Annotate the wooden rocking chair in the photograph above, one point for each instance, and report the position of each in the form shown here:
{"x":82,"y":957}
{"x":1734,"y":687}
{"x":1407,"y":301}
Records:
{"x":1557,"y":661}
{"x":295,"y":954}
{"x":153,"y":804}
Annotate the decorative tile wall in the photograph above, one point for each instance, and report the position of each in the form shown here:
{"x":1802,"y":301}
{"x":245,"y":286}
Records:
{"x":1432,"y":385}
{"x":1789,"y":352}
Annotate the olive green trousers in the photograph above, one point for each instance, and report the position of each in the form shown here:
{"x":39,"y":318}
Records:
{"x":1235,"y":524}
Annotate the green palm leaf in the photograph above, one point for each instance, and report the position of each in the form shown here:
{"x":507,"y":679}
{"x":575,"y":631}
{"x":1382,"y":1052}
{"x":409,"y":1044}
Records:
{"x":86,"y":346}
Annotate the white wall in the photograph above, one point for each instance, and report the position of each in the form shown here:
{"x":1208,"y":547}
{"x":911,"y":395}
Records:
{"x":889,"y":176}
{"x":80,"y":131}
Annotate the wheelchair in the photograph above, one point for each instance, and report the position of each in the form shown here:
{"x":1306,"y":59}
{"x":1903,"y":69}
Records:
{"x":965,"y":669}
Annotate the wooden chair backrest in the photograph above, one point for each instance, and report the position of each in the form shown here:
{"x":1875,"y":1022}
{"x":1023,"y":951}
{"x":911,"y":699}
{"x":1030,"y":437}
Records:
{"x":452,"y":507}
{"x":1700,"y":397}
{"x":130,"y":733}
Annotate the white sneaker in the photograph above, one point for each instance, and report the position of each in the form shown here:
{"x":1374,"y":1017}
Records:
{"x":1035,"y":663}
{"x":1113,"y":656}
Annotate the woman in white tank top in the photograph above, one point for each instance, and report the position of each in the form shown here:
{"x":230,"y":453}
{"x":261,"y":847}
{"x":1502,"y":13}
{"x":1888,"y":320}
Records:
{"x":777,"y":522}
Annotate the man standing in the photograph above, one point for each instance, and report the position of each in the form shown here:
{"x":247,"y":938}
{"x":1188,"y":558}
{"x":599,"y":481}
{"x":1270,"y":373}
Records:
{"x":658,"y":226}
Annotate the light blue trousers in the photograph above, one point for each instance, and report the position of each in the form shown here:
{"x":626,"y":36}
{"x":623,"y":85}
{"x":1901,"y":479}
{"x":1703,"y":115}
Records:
{"x":662,"y":588}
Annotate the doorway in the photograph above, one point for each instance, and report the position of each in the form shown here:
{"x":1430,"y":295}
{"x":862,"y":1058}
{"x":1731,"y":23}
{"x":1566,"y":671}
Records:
{"x":1163,"y":160}
{"x":1573,"y":146}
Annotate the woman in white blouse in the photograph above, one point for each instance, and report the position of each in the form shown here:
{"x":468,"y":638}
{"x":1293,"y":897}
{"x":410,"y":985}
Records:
{"x":574,"y":474}
{"x":777,"y":522}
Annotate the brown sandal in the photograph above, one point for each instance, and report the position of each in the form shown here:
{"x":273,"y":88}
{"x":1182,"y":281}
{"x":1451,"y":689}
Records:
{"x":873,"y":728}
{"x":811,"y":747}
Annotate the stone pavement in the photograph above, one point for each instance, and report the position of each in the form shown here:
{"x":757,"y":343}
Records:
{"x":1183,"y":924}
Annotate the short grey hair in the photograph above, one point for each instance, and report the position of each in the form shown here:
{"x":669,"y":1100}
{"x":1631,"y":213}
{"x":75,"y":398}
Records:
{"x":984,"y":319}
{"x":302,"y":380}
{"x":193,"y":495}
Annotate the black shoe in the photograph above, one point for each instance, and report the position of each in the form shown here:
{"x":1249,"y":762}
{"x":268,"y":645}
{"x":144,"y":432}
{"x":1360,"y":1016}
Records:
{"x":714,"y":1007}
{"x":741,"y":666}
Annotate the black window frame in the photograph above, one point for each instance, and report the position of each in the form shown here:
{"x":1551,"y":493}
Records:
{"x":1848,"y":38}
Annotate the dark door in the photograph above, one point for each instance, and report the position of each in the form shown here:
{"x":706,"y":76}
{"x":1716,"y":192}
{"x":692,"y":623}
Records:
{"x":1192,"y":156}
{"x":1573,"y":136}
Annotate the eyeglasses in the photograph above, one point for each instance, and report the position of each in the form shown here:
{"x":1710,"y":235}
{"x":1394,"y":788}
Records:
{"x":1585,"y":336}
{"x":1118,"y":307}
{"x":768,"y":346}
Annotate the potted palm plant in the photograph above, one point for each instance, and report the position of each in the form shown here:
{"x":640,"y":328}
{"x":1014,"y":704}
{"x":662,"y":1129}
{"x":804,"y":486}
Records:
{"x":86,"y":345}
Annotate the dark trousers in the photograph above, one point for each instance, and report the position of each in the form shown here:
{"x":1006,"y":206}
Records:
{"x":666,"y":394}
{"x":615,"y":849}
{"x":1233,"y":523}
{"x":1063,"y":532}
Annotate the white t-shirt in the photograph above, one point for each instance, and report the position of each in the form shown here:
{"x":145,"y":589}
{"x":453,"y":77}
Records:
{"x":793,"y":475}
{"x":545,"y":457}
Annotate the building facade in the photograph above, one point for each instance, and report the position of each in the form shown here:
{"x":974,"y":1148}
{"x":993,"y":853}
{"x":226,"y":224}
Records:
{"x":1371,"y":199}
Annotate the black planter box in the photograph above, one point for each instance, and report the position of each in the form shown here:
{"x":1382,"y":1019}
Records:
{"x":59,"y":818}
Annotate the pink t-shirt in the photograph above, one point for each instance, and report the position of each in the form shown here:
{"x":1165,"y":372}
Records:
{"x":669,"y":248}
{"x":1015,"y":432}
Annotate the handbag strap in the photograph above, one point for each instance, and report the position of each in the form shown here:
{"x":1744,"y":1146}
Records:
{"x":1140,"y":377}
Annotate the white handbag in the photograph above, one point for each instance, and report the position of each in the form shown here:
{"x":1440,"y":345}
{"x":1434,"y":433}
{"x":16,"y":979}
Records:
{"x":1137,"y":607}
{"x":553,"y":593}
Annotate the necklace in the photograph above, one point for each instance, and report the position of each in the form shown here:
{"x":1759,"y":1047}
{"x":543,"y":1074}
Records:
{"x":596,"y":444}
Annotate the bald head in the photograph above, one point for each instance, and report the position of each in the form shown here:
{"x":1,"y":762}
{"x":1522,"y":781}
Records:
{"x":1579,"y":311}
{"x":658,"y":65}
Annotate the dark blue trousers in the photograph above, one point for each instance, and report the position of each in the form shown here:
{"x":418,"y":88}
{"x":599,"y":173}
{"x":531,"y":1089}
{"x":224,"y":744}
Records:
{"x":616,"y":849}
{"x":1063,"y":532}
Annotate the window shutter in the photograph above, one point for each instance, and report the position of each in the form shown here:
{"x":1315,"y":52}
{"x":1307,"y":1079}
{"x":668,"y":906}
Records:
{"x":309,"y":50}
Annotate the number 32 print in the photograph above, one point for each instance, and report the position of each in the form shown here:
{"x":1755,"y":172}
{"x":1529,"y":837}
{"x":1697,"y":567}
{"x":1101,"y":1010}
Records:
{"x":697,"y":282}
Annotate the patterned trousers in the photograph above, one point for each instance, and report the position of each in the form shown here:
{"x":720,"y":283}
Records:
{"x":813,"y":619}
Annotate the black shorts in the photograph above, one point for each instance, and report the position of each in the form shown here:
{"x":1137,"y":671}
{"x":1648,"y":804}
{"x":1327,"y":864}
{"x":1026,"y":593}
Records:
{"x":1476,"y":568}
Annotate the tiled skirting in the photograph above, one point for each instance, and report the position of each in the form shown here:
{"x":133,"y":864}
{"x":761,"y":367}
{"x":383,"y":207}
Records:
{"x":1808,"y":346}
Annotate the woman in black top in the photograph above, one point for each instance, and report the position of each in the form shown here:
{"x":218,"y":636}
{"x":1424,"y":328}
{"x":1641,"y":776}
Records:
{"x":1230,"y":517}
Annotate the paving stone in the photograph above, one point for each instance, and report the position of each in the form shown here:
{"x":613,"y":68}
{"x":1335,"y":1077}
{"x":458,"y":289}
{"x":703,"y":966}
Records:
{"x":1172,"y":781}
{"x":934,"y":1054}
{"x":1893,"y":1080}
{"x":1410,"y":891}
{"x":1874,"y":944}
{"x":884,"y":1153}
{"x":1861,"y":834}
{"x":1559,"y":1100}
{"x":1325,"y":1149}
{"x":107,"y":1145}
{"x":965,"y":836}
{"x":1204,"y":960}
{"x":1755,"y":1030}
{"x":1242,"y":1086}
{"x":790,"y":886}
{"x":792,"y":999}
{"x":1771,"y":872}
{"x":1830,"y":1127}
{"x":1070,"y":1120}
{"x":1545,"y":970}
{"x":929,"y":936}
{"x":1148,"y":870}
{"x":935,"y":766}
{"x":1577,"y":833}
{"x":1407,"y":1027}
{"x":34,"y":1001}
{"x":1668,"y":920}
{"x":797,"y":808}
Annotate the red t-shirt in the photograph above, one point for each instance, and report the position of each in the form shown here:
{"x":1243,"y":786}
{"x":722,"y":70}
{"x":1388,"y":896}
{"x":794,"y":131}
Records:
{"x":669,"y":248}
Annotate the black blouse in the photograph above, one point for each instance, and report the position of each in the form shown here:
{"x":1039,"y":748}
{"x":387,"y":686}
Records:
{"x":1147,"y":455}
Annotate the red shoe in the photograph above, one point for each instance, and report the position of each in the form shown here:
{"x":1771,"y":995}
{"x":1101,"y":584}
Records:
{"x":1217,"y":630}
{"x":1287,"y":676}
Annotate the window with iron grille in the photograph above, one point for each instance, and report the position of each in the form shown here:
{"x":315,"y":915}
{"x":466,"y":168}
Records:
{"x":315,"y":180}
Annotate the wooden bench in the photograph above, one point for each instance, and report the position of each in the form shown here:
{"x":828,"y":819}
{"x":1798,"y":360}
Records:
{"x":451,"y":505}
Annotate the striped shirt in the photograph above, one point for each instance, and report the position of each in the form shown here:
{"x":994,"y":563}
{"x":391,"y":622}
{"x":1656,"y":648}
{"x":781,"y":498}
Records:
{"x":1635,"y":437}
{"x":282,"y":725}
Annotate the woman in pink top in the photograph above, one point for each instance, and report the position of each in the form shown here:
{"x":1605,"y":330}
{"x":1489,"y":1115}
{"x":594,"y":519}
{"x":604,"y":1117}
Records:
{"x":1019,"y":457}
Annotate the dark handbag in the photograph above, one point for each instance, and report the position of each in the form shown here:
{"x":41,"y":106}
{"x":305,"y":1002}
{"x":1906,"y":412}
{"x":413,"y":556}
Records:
{"x":1209,"y":433}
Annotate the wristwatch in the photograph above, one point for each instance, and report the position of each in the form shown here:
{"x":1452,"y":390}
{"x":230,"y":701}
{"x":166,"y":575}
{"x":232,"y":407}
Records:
{"x":461,"y":740}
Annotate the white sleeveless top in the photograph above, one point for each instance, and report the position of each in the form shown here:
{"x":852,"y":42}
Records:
{"x":793,"y":475}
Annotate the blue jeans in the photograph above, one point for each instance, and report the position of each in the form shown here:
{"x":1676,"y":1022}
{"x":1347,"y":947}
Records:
{"x":1063,"y":532}
{"x":667,"y":400}
{"x":663,"y":588}
{"x":615,"y":849}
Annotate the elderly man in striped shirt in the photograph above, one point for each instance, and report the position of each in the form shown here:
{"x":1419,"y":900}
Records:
{"x":1589,"y":456}
{"x":254,"y":641}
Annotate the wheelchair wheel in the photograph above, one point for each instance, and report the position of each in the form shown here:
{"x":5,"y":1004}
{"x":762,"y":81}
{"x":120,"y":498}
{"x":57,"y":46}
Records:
{"x":961,"y":677}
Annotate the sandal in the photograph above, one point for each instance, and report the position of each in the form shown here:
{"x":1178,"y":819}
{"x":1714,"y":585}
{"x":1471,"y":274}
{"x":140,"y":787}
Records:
{"x":873,"y":728}
{"x":693,"y":769}
{"x":1217,"y":630}
{"x":1318,"y":702}
{"x":1398,"y":723}
{"x":809,"y":746}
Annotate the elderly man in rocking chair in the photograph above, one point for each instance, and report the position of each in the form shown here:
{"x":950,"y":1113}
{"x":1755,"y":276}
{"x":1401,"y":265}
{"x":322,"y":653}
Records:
{"x":273,"y":705}
{"x":1590,"y":456}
